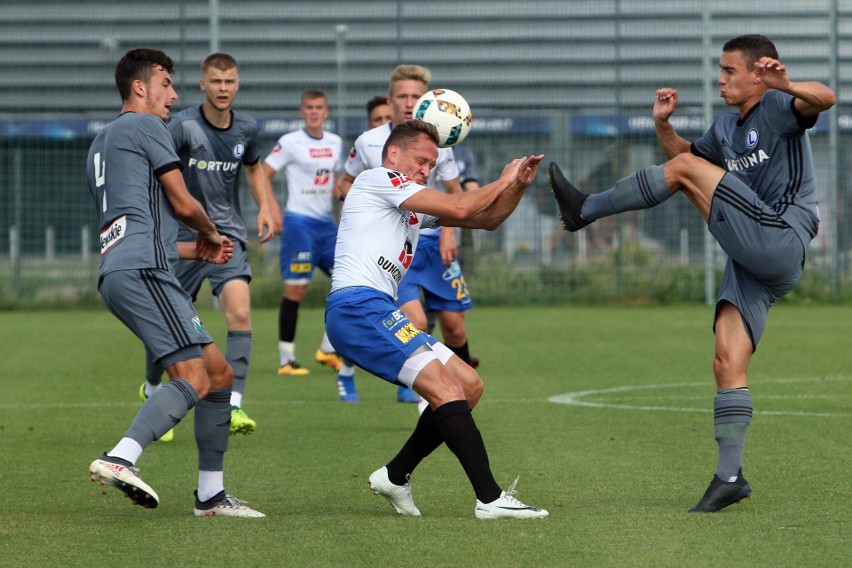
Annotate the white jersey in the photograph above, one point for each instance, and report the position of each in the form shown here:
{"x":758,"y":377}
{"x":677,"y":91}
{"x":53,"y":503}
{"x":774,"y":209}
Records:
{"x":376,"y":239}
{"x":366,"y":154}
{"x":311,"y":166}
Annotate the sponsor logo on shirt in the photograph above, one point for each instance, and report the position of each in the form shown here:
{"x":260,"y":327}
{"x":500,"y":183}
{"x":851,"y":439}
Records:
{"x":320,"y":152}
{"x":322,"y":177}
{"x":412,"y":218}
{"x":407,"y":333}
{"x":397,"y":179}
{"x":396,"y":318}
{"x":199,"y":327}
{"x":276,"y":149}
{"x":747,"y":162}
{"x":406,"y":255}
{"x":352,"y":152}
{"x":213,"y":166}
{"x":113,"y":234}
{"x":391,"y":268}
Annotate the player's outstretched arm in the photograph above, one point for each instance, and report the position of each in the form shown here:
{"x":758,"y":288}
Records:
{"x":493,"y":216}
{"x":665,"y":103}
{"x":812,"y":97}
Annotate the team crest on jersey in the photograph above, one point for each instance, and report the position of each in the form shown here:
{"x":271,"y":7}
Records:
{"x":352,"y":152}
{"x":397,"y":179}
{"x":199,"y":327}
{"x":412,"y":218}
{"x":239,"y":150}
{"x":751,"y":138}
{"x":276,"y":149}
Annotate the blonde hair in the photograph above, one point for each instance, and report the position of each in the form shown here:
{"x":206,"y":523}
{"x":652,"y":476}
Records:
{"x":410,"y":73}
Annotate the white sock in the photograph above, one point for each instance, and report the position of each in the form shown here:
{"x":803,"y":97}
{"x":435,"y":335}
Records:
{"x":151,"y":389}
{"x":286,"y":350}
{"x":127,"y":449}
{"x":346,"y":370}
{"x":236,"y":399}
{"x":209,"y":484}
{"x":326,"y":345}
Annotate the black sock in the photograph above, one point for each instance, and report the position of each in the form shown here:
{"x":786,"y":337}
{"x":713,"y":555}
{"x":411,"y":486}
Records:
{"x":456,"y":426}
{"x":463,"y":352}
{"x":288,"y":314}
{"x":423,"y":441}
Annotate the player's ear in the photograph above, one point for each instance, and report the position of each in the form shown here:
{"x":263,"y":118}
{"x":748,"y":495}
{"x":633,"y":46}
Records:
{"x":201,"y":84}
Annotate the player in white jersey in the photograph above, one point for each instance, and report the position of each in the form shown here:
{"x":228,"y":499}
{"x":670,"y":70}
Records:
{"x":438,"y":250}
{"x":310,"y":158}
{"x":380,"y":226}
{"x":751,"y":178}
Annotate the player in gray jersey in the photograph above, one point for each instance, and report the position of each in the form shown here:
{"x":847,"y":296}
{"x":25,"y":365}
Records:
{"x":751,"y":177}
{"x":213,"y":142}
{"x":134,"y":176}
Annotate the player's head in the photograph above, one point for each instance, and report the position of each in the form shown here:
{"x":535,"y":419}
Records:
{"x":407,"y":84}
{"x":740,"y":81}
{"x":220,"y":81}
{"x":378,"y":111}
{"x":144,"y":80}
{"x":412,"y":149}
{"x":752,"y":47}
{"x":314,"y":110}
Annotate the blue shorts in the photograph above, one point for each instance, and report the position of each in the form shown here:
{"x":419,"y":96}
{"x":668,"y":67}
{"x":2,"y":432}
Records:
{"x":766,"y":256}
{"x":306,"y":243}
{"x":444,"y":289}
{"x":191,"y":273}
{"x":366,"y":328}
{"x":152,"y":304}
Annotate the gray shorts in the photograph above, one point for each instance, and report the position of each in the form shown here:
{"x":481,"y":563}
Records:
{"x":765,"y":255}
{"x":191,"y":273}
{"x":152,"y":304}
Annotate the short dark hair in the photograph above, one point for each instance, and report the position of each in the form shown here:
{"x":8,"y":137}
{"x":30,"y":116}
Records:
{"x":219,"y":60}
{"x":403,"y":135}
{"x":139,"y":64}
{"x":753,"y":47}
{"x":376,"y":101}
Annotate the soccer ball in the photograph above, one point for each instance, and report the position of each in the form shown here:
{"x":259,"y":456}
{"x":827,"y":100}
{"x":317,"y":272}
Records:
{"x":448,"y":111}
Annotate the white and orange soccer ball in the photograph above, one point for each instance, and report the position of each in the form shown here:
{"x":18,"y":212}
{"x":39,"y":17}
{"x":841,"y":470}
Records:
{"x":448,"y":111}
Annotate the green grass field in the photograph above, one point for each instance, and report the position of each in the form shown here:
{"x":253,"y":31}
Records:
{"x":618,"y":462}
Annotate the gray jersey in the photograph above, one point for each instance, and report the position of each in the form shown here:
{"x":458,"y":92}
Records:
{"x":212,"y":159}
{"x":770,"y":151}
{"x":466,"y":164}
{"x":137,"y":224}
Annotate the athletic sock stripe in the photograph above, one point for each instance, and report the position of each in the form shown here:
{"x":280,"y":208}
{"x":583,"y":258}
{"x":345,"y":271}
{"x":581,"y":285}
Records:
{"x":734,"y":411}
{"x":184,"y":388}
{"x":164,"y":307}
{"x":645,"y":188}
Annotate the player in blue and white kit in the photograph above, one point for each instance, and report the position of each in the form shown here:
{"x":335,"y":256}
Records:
{"x":380,"y":225}
{"x":436,"y":271}
{"x":134,"y":176}
{"x":751,"y":177}
{"x":310,"y":158}
{"x":214,"y":142}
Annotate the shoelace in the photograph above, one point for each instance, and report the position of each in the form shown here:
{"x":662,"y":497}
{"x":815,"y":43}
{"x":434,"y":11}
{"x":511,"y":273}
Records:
{"x":510,"y":493}
{"x":233,"y":501}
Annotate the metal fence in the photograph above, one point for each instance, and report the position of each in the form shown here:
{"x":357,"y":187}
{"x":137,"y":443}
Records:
{"x":574,"y":80}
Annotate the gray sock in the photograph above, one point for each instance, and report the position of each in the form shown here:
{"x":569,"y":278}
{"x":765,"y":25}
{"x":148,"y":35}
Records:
{"x":238,"y":355}
{"x":212,"y":429}
{"x":163,"y":410}
{"x":645,"y":189}
{"x":732,"y":411}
